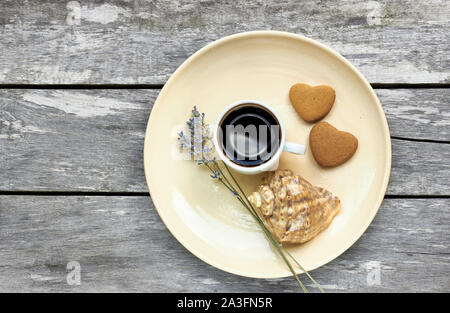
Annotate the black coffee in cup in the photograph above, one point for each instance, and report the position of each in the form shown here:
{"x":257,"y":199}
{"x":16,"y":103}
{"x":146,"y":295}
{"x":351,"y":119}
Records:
{"x":249,"y":135}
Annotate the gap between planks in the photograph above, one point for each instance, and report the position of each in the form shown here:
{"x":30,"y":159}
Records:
{"x":146,"y":194}
{"x":421,"y":140}
{"x":160,"y":86}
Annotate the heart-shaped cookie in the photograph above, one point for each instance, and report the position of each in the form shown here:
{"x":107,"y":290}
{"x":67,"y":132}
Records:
{"x":312,"y":103}
{"x":329,"y":146}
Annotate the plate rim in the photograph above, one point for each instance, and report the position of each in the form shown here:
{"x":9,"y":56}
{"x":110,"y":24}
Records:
{"x":261,"y":33}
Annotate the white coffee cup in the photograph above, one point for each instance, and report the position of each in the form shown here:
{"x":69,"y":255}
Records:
{"x":269,"y":165}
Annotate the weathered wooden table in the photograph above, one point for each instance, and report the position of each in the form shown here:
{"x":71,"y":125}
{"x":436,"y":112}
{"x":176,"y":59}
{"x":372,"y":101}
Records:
{"x":78,"y":80}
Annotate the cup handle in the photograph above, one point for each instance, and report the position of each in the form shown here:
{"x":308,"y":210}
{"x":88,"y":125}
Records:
{"x":294,"y":148}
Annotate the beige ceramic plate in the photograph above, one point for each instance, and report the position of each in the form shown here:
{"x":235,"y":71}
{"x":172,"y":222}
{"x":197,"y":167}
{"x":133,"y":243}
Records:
{"x":200,"y":213}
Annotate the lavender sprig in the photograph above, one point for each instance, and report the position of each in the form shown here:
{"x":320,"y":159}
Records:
{"x":198,"y":144}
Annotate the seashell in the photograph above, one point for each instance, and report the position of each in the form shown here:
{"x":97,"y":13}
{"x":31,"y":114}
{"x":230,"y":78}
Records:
{"x":294,"y":210}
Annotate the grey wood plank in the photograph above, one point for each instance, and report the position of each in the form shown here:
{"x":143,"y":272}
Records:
{"x":417,"y":113}
{"x":130,"y":42}
{"x":122,"y":245}
{"x":91,"y":140}
{"x":80,"y":140}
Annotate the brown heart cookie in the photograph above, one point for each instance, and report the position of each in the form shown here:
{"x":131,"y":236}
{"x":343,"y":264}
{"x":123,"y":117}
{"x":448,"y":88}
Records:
{"x":312,"y":103}
{"x":329,"y":146}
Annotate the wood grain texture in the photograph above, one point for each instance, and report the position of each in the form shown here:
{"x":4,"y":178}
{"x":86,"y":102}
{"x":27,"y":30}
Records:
{"x":92,"y":140}
{"x":134,"y":42}
{"x":417,"y":113}
{"x":122,"y":245}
